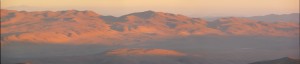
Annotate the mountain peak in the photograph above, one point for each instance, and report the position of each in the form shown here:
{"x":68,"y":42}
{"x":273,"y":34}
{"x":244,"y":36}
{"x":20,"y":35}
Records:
{"x":285,"y":60}
{"x":77,"y":12}
{"x":144,"y":15}
{"x":71,"y":10}
{"x":153,"y":14}
{"x":142,"y":52}
{"x":292,"y":17}
{"x":149,"y":11}
{"x":235,"y":19}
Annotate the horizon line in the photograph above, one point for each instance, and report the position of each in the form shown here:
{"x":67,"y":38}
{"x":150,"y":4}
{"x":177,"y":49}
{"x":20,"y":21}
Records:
{"x":145,"y":11}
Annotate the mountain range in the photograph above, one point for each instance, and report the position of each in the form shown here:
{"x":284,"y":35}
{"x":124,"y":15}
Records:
{"x":124,"y":56}
{"x":77,"y":27}
{"x":148,"y":37}
{"x":139,"y":56}
{"x":293,"y":17}
{"x":285,"y":60}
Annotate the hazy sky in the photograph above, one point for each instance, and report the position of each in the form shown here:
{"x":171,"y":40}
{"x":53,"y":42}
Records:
{"x":193,"y":8}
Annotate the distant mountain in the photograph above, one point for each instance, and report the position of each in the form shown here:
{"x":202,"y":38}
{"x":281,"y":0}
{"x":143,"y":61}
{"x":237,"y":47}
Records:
{"x":293,"y":17}
{"x":87,"y":27}
{"x":248,"y":27}
{"x":125,"y":56}
{"x":142,"y":52}
{"x":284,"y":60}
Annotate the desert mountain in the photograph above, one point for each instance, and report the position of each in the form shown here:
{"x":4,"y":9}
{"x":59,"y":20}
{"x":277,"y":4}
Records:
{"x":47,"y":26}
{"x":143,"y":52}
{"x":72,"y":26}
{"x":285,"y":60}
{"x":125,"y":56}
{"x":244,"y":26}
{"x":293,"y":17}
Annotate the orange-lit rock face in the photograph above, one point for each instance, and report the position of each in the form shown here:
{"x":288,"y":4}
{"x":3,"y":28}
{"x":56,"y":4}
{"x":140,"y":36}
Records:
{"x":74,"y":26}
{"x":52,"y":27}
{"x":143,"y":52}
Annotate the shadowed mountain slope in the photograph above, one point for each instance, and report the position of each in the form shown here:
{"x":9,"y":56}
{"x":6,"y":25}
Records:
{"x":284,"y":60}
{"x":293,"y":17}
{"x":78,"y":27}
{"x":125,"y":56}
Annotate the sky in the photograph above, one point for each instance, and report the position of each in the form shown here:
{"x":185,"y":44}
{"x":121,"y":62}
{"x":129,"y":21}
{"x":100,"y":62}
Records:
{"x":192,"y":8}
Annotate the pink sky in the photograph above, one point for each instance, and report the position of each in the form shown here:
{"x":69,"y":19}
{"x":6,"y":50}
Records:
{"x":194,"y":8}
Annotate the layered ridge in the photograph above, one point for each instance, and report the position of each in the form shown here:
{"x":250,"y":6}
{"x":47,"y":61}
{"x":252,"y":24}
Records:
{"x":72,"y":26}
